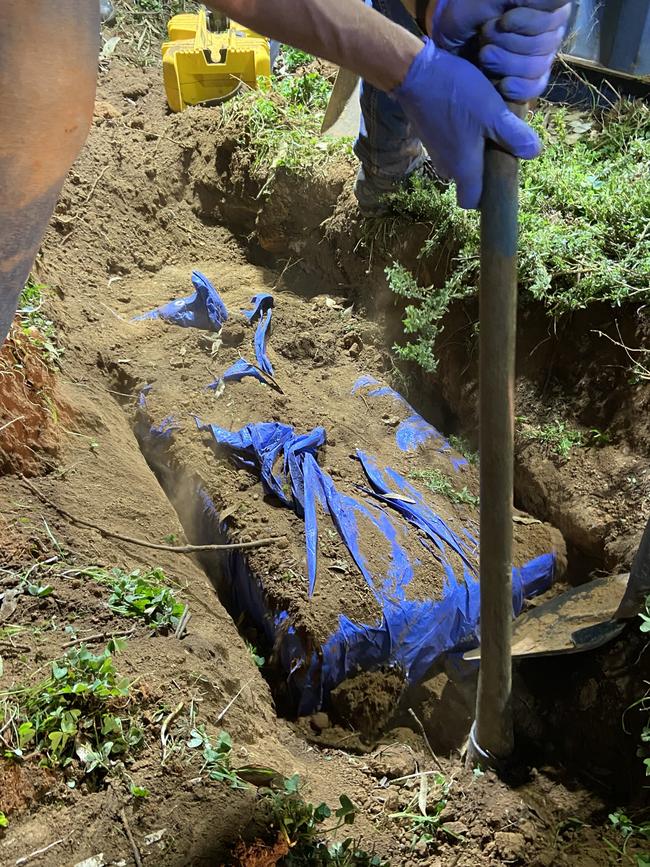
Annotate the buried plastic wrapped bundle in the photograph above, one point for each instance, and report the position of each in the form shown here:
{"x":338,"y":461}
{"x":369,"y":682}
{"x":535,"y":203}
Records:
{"x":414,"y":430}
{"x":374,"y":526}
{"x":202,"y":309}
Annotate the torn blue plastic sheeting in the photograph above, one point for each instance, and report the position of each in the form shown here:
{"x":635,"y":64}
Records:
{"x":142,"y":397}
{"x":261,"y":336}
{"x":262,"y":308}
{"x":202,"y":309}
{"x":166,"y":428}
{"x":413,"y":431}
{"x":409,"y":633}
{"x":261,"y":302}
{"x":238,"y":371}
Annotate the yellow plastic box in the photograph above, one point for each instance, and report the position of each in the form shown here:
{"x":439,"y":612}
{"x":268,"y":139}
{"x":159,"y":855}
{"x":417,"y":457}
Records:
{"x":200,"y":66}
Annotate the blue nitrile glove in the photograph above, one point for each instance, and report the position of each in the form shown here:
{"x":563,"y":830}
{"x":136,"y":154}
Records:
{"x":454,"y":108}
{"x":520,"y":38}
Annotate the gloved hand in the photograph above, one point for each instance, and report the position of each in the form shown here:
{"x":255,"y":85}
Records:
{"x":454,"y":108}
{"x":520,"y":38}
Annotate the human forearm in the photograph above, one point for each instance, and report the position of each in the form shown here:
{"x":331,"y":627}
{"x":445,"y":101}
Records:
{"x":45,"y":112}
{"x":345,"y":32}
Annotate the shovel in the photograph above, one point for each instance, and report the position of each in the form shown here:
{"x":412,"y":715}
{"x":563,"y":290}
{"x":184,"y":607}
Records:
{"x":584,"y":617}
{"x":343,"y":113}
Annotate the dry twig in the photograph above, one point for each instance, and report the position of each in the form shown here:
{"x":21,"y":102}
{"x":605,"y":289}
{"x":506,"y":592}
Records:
{"x":136,"y":852}
{"x":175,"y":549}
{"x":426,"y":739}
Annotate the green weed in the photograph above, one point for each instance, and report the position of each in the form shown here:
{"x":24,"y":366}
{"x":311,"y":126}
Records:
{"x":254,"y":655}
{"x":216,"y":756}
{"x":77,"y":714}
{"x":39,"y":330}
{"x":282,"y":121}
{"x":299,"y":824}
{"x":556,"y":435}
{"x":142,"y":26}
{"x":4,"y":822}
{"x":460,"y":444}
{"x":146,"y":596}
{"x":584,"y":212}
{"x":425,"y":820}
{"x":294,"y":58}
{"x":633,"y":834}
{"x":438,"y":483}
{"x":643,"y":704}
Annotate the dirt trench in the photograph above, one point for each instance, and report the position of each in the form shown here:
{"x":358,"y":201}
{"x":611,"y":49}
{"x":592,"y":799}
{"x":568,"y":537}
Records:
{"x":168,"y":194}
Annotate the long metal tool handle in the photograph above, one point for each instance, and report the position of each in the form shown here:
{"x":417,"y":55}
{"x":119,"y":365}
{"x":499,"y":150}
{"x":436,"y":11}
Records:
{"x":492,"y":734}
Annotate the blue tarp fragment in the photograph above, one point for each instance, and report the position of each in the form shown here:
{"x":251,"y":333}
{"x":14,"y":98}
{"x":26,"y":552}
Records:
{"x":202,"y":309}
{"x":261,"y":336}
{"x":409,"y":633}
{"x":262,"y":310}
{"x":238,"y":371}
{"x":414,"y":430}
{"x":261,"y":302}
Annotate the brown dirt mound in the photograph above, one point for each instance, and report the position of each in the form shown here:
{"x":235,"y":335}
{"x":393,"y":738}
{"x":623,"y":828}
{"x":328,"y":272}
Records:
{"x":152,"y":192}
{"x":29,"y":407}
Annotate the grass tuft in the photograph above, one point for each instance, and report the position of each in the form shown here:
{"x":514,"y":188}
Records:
{"x":438,"y":483}
{"x":584,"y":217}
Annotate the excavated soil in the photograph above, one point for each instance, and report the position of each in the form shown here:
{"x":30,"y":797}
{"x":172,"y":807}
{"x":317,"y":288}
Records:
{"x":151,"y":197}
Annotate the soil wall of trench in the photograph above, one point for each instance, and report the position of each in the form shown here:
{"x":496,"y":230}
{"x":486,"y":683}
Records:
{"x":184,"y":177}
{"x":598,"y":497}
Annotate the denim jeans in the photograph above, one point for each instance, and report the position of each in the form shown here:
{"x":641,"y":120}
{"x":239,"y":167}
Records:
{"x":387,"y":147}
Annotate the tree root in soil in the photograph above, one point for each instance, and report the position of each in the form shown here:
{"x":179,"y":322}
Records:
{"x":175,"y":549}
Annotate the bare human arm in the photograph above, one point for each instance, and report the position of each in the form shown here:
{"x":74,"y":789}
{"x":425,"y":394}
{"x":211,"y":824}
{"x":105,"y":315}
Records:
{"x":345,"y":32}
{"x":48,"y":66}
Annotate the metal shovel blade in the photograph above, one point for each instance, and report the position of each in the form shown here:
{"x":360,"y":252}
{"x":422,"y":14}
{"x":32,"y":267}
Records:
{"x":578,"y":619}
{"x":343,"y":113}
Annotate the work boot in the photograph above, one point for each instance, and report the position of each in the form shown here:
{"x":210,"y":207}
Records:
{"x":372,"y":191}
{"x":106,"y":12}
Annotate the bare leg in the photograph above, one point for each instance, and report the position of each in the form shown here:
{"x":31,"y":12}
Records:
{"x":48,"y":63}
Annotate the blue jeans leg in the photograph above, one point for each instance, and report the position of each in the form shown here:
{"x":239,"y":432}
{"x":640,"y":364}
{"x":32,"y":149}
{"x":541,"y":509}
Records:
{"x":387,"y":147}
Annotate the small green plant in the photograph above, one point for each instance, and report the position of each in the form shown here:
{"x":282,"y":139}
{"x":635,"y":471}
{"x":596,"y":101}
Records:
{"x":643,"y":704}
{"x":216,"y":756}
{"x":145,"y":595}
{"x":254,"y":655}
{"x":294,"y":58}
{"x":461,"y":445}
{"x":39,"y":330}
{"x":633,"y":834}
{"x":139,"y":791}
{"x":4,"y":822}
{"x":299,"y":825}
{"x":438,"y":483}
{"x":423,"y":819}
{"x":424,"y":318}
{"x":78,"y":713}
{"x":556,"y":435}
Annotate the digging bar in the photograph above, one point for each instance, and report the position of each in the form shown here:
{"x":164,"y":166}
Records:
{"x":491,"y":738}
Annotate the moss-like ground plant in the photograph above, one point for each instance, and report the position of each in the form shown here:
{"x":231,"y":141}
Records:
{"x":584,"y":216}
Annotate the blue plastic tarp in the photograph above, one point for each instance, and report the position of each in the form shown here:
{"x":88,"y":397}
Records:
{"x":409,"y":633}
{"x":381,"y":526}
{"x":413,"y":431}
{"x":202,"y":309}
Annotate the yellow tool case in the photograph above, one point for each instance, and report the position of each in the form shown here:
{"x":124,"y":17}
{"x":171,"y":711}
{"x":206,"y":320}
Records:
{"x":205,"y":64}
